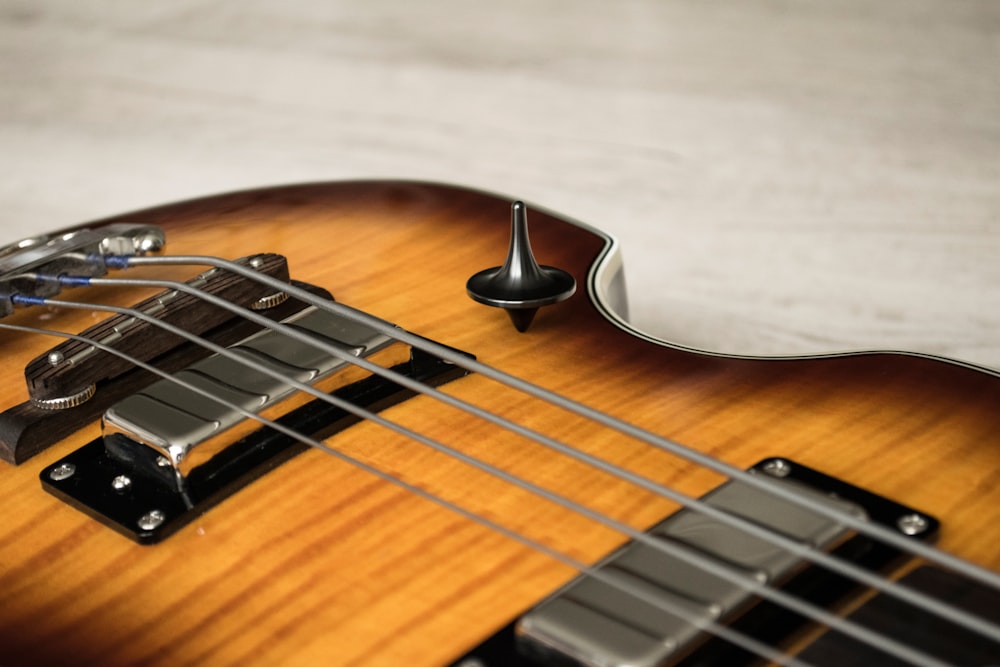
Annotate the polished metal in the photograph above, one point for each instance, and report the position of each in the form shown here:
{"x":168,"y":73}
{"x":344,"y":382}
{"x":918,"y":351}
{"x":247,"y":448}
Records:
{"x":151,"y":520}
{"x":62,"y":471}
{"x":79,"y":253}
{"x":778,"y":468}
{"x":186,"y":430}
{"x":121,"y":483}
{"x":521,"y":286}
{"x":269,"y":301}
{"x":912,"y":524}
{"x":66,"y":402}
{"x":653,"y":602}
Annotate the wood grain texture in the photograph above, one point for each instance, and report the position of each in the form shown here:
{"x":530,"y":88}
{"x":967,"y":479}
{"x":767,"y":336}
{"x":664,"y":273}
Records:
{"x":318,"y":563}
{"x":785,"y":177}
{"x":46,"y":381}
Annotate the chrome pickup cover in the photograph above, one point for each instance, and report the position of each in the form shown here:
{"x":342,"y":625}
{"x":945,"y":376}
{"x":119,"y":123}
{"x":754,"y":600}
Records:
{"x":170,"y":455}
{"x":590,"y":622}
{"x":187,"y":428}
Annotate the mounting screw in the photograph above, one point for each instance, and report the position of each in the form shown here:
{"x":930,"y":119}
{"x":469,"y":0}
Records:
{"x":120,"y":483}
{"x":56,"y":358}
{"x":912,"y":524}
{"x":152,"y":520}
{"x":62,"y":471}
{"x":162,"y":461}
{"x":778,"y":468}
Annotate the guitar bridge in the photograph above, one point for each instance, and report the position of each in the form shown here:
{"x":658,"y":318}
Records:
{"x":74,"y":382}
{"x":81,"y":252}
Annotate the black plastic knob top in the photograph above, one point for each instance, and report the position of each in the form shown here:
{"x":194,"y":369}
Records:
{"x":521,"y":286}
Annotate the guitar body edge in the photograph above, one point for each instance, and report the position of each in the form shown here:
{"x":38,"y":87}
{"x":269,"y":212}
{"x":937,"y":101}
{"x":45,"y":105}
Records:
{"x":320,"y":563}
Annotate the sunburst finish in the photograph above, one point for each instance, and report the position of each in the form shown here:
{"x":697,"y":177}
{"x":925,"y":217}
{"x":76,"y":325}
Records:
{"x":319,"y":563}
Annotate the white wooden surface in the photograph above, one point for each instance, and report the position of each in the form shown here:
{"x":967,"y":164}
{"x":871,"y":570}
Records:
{"x":785,"y":176}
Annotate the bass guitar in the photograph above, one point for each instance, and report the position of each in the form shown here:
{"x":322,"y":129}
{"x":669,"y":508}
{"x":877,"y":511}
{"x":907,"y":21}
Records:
{"x":397,"y":423}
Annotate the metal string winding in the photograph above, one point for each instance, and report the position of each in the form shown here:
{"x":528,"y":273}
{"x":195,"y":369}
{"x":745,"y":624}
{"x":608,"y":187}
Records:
{"x":914,"y":597}
{"x":740,"y":639}
{"x":779,"y":597}
{"x":930,"y":553}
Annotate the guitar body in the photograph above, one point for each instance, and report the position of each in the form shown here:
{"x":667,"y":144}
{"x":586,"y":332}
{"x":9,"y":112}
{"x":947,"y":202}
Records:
{"x":319,"y":563}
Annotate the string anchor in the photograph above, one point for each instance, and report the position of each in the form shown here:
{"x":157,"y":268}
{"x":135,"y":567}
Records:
{"x":521,"y":286}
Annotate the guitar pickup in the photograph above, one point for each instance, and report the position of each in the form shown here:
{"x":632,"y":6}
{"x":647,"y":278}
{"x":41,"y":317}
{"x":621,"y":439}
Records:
{"x":652,"y":602}
{"x":173,"y":421}
{"x":175,"y":448}
{"x":600,"y":622}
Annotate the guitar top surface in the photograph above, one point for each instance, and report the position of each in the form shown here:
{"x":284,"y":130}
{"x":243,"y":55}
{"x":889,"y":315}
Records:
{"x":318,"y":562}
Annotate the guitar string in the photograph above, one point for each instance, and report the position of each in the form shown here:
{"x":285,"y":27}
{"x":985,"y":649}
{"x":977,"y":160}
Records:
{"x":904,"y":544}
{"x":916,"y":598}
{"x":790,"y":602}
{"x":736,"y":637}
{"x":846,"y":626}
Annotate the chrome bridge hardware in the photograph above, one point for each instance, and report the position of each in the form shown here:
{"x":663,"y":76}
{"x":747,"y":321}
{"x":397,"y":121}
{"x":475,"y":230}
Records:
{"x":74,"y":382}
{"x":72,"y":366}
{"x":80,"y":253}
{"x":169,"y":454}
{"x":588,"y":623}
